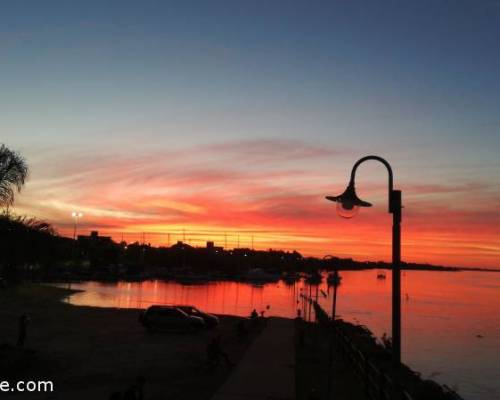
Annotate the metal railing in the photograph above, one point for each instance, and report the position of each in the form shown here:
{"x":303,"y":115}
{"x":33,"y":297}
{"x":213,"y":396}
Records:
{"x":378,"y":385}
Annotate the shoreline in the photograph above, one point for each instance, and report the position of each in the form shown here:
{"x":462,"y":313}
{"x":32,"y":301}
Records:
{"x":92,"y":352}
{"x":113,"y":331}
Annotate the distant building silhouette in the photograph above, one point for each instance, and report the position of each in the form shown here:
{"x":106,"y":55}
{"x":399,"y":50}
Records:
{"x":211,"y":248}
{"x":94,"y":238}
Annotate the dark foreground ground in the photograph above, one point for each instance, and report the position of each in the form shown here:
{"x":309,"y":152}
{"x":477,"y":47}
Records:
{"x":90,"y":353}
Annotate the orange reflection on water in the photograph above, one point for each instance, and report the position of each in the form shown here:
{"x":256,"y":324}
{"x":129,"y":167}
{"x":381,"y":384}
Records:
{"x":443,"y":314}
{"x":231,"y":298}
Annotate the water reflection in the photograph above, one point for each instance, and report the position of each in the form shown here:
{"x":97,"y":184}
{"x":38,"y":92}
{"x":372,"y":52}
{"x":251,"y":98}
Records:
{"x":443,"y":314}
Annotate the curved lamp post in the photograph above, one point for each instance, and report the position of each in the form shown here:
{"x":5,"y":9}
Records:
{"x":348,"y":204}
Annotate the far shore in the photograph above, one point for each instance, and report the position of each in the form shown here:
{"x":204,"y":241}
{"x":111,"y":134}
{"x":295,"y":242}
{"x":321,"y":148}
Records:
{"x":195,"y":278}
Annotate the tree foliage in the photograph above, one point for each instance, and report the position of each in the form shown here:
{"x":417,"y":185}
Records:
{"x":27,"y":243}
{"x":13,"y":174}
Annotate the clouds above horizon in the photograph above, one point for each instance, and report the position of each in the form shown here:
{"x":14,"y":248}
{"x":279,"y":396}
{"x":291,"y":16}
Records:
{"x":271,"y":189}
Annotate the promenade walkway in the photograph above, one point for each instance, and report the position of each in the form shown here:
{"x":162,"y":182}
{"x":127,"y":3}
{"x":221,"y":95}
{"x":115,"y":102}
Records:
{"x":267,"y":370}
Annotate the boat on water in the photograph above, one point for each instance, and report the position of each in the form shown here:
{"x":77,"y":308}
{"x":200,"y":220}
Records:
{"x":290,"y":278}
{"x":258,"y":275}
{"x":380,"y":275}
{"x":191,"y":278}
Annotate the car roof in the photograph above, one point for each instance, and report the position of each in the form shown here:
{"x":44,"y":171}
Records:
{"x":160,"y":307}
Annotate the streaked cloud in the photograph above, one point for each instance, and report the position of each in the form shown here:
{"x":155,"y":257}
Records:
{"x":209,"y":190}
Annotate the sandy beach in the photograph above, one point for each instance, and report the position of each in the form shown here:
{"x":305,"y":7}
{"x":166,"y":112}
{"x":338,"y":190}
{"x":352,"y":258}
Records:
{"x":92,"y":352}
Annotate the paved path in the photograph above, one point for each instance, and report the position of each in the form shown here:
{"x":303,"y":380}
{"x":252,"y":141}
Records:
{"x":267,"y":371}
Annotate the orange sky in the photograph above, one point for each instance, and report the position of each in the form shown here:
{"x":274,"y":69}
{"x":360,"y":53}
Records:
{"x":270,"y":190}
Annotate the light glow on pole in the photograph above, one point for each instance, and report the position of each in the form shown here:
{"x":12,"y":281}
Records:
{"x":76,"y":218}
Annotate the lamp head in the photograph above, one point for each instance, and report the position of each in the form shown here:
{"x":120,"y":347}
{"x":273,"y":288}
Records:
{"x":348,"y":203}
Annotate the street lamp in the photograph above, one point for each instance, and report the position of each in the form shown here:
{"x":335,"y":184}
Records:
{"x":76,"y":217}
{"x":348,"y":205}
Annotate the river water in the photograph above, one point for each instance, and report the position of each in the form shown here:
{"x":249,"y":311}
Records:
{"x":450,"y":320}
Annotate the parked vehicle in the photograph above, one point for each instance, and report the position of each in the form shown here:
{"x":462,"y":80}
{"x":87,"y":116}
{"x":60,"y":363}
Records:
{"x":170,"y":318}
{"x":211,"y":321}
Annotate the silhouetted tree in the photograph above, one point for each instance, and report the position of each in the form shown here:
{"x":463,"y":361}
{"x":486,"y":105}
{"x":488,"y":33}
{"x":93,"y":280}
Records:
{"x":25,"y":243}
{"x":13,"y":173}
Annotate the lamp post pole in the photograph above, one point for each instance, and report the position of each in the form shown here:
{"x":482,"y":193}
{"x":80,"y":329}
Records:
{"x":396,"y":277}
{"x":76,"y":217}
{"x":348,"y":205}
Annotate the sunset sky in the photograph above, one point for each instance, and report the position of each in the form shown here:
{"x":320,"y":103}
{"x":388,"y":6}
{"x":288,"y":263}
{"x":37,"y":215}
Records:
{"x":237,"y":118}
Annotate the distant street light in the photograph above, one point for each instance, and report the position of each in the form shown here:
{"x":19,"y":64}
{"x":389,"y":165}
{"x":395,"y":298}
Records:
{"x":348,"y":204}
{"x":76,"y":218}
